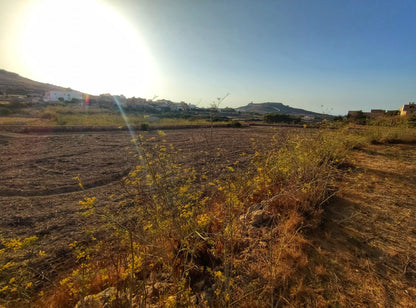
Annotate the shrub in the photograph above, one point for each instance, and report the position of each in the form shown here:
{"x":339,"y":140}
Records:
{"x":49,"y":115}
{"x":16,"y":271}
{"x":281,"y":118}
{"x":4,"y":111}
{"x":144,"y":127}
{"x":235,"y":124}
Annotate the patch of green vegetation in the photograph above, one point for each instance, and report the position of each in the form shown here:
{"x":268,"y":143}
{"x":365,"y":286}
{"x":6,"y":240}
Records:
{"x":281,"y":118}
{"x":77,"y":115}
{"x":4,"y":111}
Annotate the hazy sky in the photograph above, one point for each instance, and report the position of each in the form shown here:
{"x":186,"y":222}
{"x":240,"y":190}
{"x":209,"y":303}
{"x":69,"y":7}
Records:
{"x":330,"y":56}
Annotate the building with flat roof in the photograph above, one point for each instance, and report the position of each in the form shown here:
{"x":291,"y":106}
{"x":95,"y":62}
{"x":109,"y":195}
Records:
{"x":408,"y":109}
{"x":54,"y":96}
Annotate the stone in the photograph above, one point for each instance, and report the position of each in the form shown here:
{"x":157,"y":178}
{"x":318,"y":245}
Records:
{"x":260,"y":218}
{"x":98,"y":300}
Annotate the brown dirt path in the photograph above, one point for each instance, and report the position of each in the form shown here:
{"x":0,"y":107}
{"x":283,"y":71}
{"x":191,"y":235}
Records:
{"x":364,"y":253}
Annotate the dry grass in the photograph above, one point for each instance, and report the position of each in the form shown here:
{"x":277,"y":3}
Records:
{"x":365,"y":241}
{"x":81,"y":116}
{"x":24,"y":121}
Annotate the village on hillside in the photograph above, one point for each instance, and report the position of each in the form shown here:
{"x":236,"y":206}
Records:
{"x":102,"y":100}
{"x":161,"y":105}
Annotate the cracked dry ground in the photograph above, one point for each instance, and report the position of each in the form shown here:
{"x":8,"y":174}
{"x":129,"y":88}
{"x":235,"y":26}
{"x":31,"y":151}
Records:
{"x":364,"y":252}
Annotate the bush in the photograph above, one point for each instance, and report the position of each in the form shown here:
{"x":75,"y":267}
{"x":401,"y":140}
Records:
{"x":186,"y":229}
{"x":236,"y":124}
{"x":144,"y":126}
{"x":48,"y":115}
{"x":4,"y":111}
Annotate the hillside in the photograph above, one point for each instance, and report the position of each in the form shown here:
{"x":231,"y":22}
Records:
{"x":270,"y":107}
{"x":12,"y":83}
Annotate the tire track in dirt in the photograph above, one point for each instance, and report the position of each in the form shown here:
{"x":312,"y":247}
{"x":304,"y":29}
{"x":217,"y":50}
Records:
{"x":52,"y":214}
{"x":64,"y":189}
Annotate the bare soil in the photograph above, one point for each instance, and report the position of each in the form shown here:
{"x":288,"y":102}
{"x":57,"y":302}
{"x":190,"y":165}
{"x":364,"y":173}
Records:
{"x":364,"y":253}
{"x":39,"y":195}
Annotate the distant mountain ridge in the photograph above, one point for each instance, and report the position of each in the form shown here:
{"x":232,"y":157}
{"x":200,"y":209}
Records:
{"x":12,"y":83}
{"x":271,"y":107}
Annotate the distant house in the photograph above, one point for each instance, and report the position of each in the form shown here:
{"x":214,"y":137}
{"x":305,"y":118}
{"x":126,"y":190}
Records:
{"x":177,"y":107}
{"x":121,"y":99}
{"x":308,"y":118}
{"x":184,"y":105}
{"x":375,"y":113}
{"x":355,"y":114}
{"x":164,"y":104}
{"x":54,"y":96}
{"x":408,"y":109}
{"x":392,"y":112}
{"x":359,"y":114}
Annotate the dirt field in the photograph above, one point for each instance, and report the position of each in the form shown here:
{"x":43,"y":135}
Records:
{"x":38,"y":193}
{"x":363,"y":254}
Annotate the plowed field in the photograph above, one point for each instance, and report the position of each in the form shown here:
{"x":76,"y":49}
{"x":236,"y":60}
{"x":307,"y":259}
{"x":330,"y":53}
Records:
{"x":39,"y":195}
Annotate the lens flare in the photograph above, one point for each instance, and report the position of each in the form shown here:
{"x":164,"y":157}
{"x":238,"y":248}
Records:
{"x":130,"y":129}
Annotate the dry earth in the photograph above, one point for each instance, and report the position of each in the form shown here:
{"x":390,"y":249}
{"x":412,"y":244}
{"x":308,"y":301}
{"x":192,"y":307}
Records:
{"x":362,"y":255}
{"x":39,"y":196}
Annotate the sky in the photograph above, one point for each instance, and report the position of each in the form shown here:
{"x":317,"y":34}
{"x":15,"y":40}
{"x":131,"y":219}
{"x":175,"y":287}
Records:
{"x":322,"y":55}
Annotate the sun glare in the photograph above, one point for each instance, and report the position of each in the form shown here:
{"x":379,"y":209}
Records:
{"x":87,"y":45}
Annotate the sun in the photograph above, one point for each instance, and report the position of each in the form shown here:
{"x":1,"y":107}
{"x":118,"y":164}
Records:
{"x":86,"y":45}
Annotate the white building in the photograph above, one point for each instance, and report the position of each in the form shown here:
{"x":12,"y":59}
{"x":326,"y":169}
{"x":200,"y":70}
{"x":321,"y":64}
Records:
{"x":68,"y":95}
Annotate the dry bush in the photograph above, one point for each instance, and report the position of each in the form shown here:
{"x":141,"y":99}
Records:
{"x":233,"y":238}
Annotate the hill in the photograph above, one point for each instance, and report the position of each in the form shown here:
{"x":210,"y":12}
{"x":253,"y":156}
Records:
{"x":12,"y":83}
{"x":270,"y":107}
